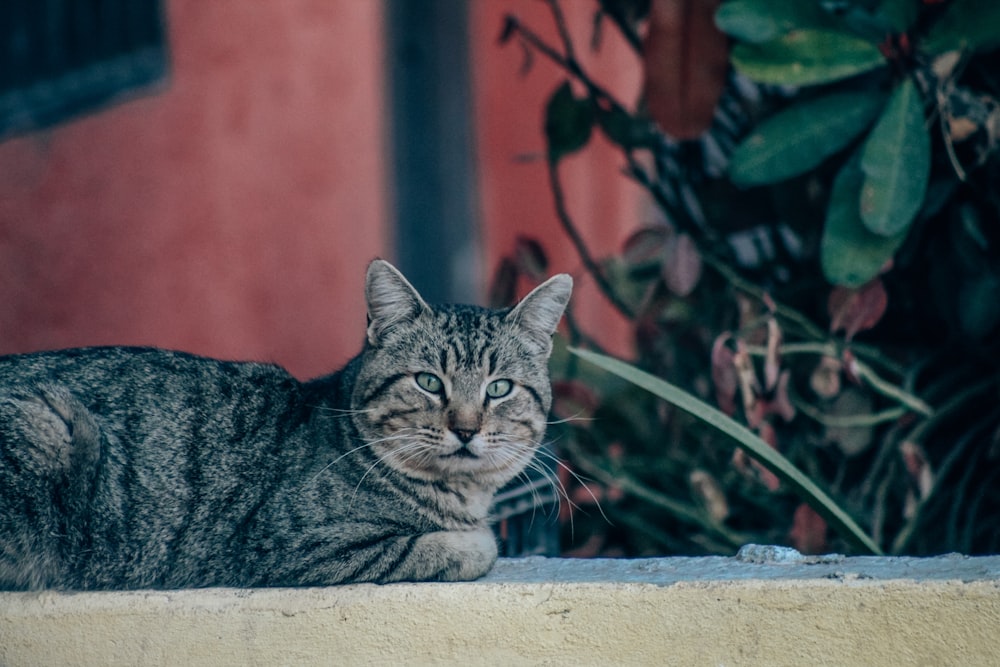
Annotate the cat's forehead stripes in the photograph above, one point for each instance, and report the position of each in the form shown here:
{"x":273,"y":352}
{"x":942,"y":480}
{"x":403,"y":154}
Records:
{"x":448,"y":339}
{"x":468,"y":337}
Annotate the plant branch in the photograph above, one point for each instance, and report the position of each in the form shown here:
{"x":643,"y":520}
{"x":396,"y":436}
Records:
{"x":847,"y":421}
{"x":564,"y":36}
{"x":920,"y":431}
{"x":589,"y":263}
{"x":615,"y":11}
{"x":674,"y":213}
{"x":566,"y":61}
{"x":865,"y":372}
{"x":790,"y":349}
{"x":862,"y":371}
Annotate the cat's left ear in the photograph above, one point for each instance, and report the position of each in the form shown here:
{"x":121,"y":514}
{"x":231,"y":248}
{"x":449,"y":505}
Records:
{"x":539,"y":312}
{"x":392,"y":300}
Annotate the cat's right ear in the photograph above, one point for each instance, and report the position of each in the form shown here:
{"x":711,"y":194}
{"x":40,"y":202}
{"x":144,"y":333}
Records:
{"x":392,"y":300}
{"x":539,"y":313}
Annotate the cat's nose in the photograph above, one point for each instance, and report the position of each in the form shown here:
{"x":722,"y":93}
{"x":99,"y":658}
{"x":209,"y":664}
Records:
{"x":464,"y":422}
{"x":464,"y":435}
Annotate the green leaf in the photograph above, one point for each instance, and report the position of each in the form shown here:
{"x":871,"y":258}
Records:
{"x":966,"y":24}
{"x":807,"y":57}
{"x":743,"y":438}
{"x":799,"y":138}
{"x":876,"y":20}
{"x":896,"y":162}
{"x":900,"y":14}
{"x":626,"y":130}
{"x":749,"y":20}
{"x":850,"y":254}
{"x":763,"y":20}
{"x":568,"y":122}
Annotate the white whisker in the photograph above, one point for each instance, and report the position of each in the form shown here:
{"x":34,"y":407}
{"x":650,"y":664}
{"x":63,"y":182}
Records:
{"x":341,"y":412}
{"x":567,"y":420}
{"x":390,"y":438}
{"x":563,"y":492}
{"x":412,"y":445}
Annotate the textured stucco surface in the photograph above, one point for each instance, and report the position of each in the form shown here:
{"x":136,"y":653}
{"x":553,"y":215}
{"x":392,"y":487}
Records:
{"x":677,"y":611}
{"x":232,"y":214}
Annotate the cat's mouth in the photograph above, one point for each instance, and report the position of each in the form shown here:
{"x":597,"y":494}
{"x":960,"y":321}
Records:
{"x":462,"y":452}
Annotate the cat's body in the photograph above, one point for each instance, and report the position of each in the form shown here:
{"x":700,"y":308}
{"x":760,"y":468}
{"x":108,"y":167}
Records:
{"x":142,"y":468}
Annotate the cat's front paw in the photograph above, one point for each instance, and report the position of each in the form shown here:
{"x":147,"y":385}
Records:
{"x":455,"y":555}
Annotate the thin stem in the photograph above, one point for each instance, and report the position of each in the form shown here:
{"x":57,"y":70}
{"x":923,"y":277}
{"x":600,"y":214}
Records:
{"x":848,"y":421}
{"x":920,"y":431}
{"x":564,"y":36}
{"x":808,"y":329}
{"x":790,"y":349}
{"x":958,"y":507}
{"x":879,"y":509}
{"x":864,"y":371}
{"x":589,"y":263}
{"x":637,"y":172}
{"x":616,"y":12}
{"x":566,"y":61}
{"x":909,"y":531}
{"x":636,"y":488}
{"x":534,"y":41}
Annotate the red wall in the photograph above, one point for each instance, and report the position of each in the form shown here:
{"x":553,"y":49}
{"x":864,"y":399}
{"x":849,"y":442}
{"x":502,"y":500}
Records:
{"x":231,"y":215}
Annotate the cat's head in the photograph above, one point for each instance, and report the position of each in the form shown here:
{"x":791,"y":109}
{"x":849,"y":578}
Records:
{"x":455,"y":392}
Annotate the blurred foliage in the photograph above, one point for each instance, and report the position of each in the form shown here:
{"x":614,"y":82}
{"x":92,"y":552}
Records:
{"x":890,"y":69}
{"x":830,"y":278}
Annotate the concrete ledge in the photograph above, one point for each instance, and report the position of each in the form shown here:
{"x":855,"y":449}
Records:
{"x":762,"y":608}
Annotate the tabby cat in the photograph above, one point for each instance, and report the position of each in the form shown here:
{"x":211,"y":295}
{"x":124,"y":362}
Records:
{"x":126,"y":468}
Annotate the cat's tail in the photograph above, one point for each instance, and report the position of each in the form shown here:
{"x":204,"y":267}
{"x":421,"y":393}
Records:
{"x":50,"y":445}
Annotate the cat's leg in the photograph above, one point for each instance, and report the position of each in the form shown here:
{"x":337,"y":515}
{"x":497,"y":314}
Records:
{"x":447,"y":555}
{"x":49,"y":445}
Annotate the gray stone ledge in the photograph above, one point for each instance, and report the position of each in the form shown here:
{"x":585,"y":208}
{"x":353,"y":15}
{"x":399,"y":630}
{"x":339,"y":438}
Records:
{"x":767,"y":607}
{"x":788,"y":565}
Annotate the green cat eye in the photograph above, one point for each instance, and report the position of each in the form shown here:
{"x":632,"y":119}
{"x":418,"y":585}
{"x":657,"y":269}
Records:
{"x":430,"y":382}
{"x":499,"y":388}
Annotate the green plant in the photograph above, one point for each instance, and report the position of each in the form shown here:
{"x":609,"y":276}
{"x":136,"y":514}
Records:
{"x":742,"y":437}
{"x":882,"y":77}
{"x":880,"y":165}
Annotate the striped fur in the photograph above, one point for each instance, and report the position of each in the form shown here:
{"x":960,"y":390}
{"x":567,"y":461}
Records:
{"x":125,"y":468}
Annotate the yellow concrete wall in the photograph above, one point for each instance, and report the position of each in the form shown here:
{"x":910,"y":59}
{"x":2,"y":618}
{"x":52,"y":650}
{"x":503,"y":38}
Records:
{"x":683,"y":611}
